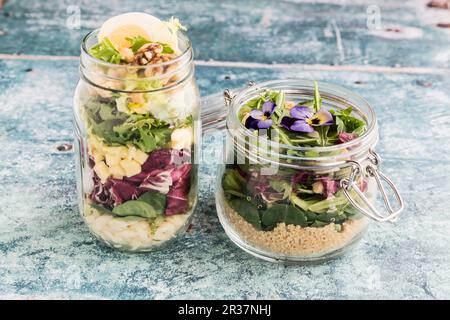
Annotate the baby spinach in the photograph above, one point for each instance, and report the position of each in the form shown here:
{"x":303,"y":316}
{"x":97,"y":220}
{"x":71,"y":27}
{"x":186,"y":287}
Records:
{"x":101,"y":208}
{"x":248,"y":211}
{"x":273,"y":215}
{"x":278,"y":213}
{"x":149,"y":205}
{"x":156,"y":200}
{"x":295,"y":216}
{"x":135,"y":208}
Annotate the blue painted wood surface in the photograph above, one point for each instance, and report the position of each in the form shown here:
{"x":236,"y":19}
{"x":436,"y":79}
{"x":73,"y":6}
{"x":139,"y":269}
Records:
{"x":46,"y":250}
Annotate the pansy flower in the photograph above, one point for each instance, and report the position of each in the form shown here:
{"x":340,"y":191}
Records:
{"x":260,"y":119}
{"x":303,"y":119}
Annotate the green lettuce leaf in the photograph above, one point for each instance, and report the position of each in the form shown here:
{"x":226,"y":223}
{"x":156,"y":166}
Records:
{"x":137,"y":42}
{"x":106,"y":51}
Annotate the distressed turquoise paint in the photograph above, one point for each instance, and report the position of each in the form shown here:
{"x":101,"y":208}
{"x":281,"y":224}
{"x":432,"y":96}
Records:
{"x":251,"y":30}
{"x":47,"y":251}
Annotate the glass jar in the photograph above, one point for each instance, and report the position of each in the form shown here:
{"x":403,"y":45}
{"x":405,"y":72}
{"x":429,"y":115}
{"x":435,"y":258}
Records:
{"x":137,"y":135}
{"x":298,"y":204}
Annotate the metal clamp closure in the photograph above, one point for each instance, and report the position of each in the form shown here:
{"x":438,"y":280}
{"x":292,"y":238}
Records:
{"x":228,"y":96}
{"x":363,"y":204}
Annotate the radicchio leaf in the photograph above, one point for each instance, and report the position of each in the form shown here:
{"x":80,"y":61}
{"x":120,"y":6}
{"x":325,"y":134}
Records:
{"x":100,"y":194}
{"x":165,"y":171}
{"x":300,"y":177}
{"x":177,"y":197}
{"x":122,"y":191}
{"x":158,"y":159}
{"x":330,"y":187}
{"x":158,"y":180}
{"x":259,"y":186}
{"x":346,"y":137}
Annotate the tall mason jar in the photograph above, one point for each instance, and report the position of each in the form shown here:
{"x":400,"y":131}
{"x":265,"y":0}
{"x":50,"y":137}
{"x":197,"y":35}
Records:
{"x":300,"y":204}
{"x":137,"y":135}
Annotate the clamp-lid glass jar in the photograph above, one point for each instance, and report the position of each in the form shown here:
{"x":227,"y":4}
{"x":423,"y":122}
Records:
{"x":137,"y":129}
{"x":282,"y":201}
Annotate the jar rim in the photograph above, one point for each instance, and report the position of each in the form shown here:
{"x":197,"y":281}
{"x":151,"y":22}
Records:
{"x":355,"y":146}
{"x":181,"y":35}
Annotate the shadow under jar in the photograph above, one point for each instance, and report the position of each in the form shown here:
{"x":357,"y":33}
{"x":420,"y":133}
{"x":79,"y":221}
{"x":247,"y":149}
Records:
{"x":136,"y":129}
{"x":300,"y":204}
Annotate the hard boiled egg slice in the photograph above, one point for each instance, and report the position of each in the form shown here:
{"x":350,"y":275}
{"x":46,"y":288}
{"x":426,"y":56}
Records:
{"x":128,"y":25}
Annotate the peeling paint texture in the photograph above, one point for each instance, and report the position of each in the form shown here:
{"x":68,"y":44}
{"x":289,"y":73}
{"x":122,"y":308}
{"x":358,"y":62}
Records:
{"x":46,"y":250}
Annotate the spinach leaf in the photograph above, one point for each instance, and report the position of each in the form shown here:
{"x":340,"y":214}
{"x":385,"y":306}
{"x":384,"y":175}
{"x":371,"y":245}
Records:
{"x":138,"y":208}
{"x":156,"y":200}
{"x":327,"y":217}
{"x":282,"y":213}
{"x":273,"y":215}
{"x":101,"y":208}
{"x":248,"y":211}
{"x":319,"y":224}
{"x":295,"y":216}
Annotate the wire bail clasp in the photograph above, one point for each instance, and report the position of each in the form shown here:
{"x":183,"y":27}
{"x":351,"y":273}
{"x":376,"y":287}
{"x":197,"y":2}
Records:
{"x":371,"y":170}
{"x":229,"y":95}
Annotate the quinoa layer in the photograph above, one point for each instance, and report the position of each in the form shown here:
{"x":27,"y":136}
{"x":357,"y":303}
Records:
{"x":294,"y":240}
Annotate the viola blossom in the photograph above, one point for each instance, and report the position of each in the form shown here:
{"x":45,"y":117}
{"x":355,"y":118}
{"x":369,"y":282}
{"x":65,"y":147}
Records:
{"x":260,"y":119}
{"x":303,"y":119}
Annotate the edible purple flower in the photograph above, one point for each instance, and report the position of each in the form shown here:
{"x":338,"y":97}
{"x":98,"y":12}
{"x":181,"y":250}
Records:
{"x":303,"y":119}
{"x":260,"y":119}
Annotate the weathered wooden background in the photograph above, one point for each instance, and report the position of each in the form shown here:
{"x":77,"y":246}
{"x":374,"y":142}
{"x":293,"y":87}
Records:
{"x":399,"y":60}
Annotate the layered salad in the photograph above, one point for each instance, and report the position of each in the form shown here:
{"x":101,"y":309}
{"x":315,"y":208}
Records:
{"x":139,"y":182}
{"x":294,"y":212}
